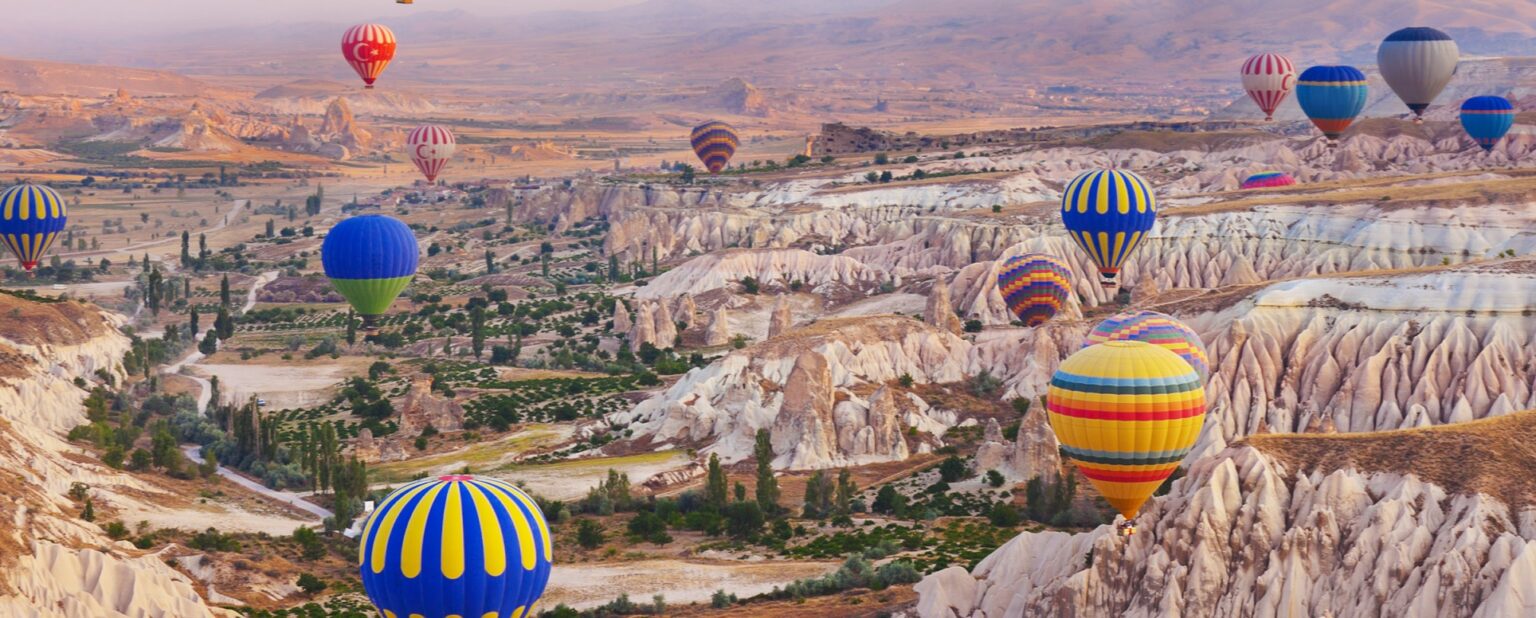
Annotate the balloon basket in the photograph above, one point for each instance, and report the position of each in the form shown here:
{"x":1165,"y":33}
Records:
{"x":1126,"y":529}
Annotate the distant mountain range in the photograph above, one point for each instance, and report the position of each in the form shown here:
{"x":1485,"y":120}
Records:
{"x":991,"y":44}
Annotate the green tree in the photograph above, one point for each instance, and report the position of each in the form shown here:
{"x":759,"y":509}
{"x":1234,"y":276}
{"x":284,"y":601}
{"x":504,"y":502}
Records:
{"x":589,"y":534}
{"x":842,"y":503}
{"x":351,"y":328}
{"x":271,"y":230}
{"x":490,"y":261}
{"x":310,"y":584}
{"x":224,"y":291}
{"x":310,"y":546}
{"x":186,"y":248}
{"x":192,"y":321}
{"x":818,"y":496}
{"x":953,"y":469}
{"x":743,"y":519}
{"x":767,"y":484}
{"x":477,"y":330}
{"x":715,"y":487}
{"x":89,"y":513}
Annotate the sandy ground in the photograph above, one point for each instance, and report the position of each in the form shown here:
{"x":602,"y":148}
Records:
{"x":885,"y":304}
{"x":283,"y":386}
{"x":568,"y":480}
{"x":588,"y":585}
{"x":97,"y":289}
{"x":479,"y":456}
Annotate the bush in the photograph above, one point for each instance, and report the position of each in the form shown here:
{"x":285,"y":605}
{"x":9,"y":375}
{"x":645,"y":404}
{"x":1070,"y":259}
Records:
{"x":213,"y":540}
{"x":310,"y":584}
{"x":1003,"y":515}
{"x":589,"y":534}
{"x":953,"y":469}
{"x":721,"y":600}
{"x":116,"y":530}
{"x":973,"y":326}
{"x":994,"y":478}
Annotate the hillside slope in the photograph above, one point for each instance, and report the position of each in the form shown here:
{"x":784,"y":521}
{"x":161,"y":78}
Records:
{"x":1423,"y":522}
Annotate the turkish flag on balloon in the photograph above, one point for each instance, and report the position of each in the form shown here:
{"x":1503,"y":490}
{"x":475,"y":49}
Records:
{"x":368,"y":48}
{"x":430,"y":147}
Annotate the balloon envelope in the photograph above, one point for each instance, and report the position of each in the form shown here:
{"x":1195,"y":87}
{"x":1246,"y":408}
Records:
{"x":370,"y":259}
{"x":1487,"y":119}
{"x":1108,"y":212}
{"x":1157,"y":329}
{"x":31,"y":216}
{"x":1127,"y":412}
{"x":1417,"y":63}
{"x":1263,"y":180}
{"x":1035,"y":286}
{"x":368,"y":48}
{"x":430,"y":147}
{"x":456,"y":546}
{"x":1331,"y":96}
{"x":1268,"y":78}
{"x":715,"y":143}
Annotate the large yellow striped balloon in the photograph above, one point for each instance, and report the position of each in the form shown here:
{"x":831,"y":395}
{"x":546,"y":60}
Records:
{"x":461,"y":546}
{"x":1127,"y":412}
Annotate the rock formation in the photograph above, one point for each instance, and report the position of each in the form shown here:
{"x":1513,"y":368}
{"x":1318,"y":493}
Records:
{"x":666,"y":327}
{"x":687,"y":312}
{"x":644,"y":329}
{"x":422,"y":407}
{"x":621,"y":322}
{"x":781,"y":320}
{"x":802,"y":386}
{"x":719,"y":332}
{"x":1248,"y":535}
{"x":939,"y":312}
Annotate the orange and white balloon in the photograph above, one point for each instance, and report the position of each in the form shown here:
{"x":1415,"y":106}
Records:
{"x":1268,"y":78}
{"x":430,"y":147}
{"x":368,"y":48}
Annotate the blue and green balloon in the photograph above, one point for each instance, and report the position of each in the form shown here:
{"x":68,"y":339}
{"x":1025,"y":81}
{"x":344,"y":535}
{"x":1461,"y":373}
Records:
{"x":370,"y":259}
{"x":31,"y":217}
{"x":459,"y":545}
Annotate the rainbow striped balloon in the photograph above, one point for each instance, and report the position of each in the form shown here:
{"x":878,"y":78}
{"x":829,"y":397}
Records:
{"x":1264,"y":180}
{"x":1035,"y":286}
{"x":456,"y":545}
{"x":31,"y":217}
{"x":715,"y":142}
{"x":1127,"y":412}
{"x":1157,"y":329}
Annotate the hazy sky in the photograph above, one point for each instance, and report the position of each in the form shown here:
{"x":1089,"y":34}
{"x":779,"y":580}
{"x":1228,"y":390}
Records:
{"x":181,"y":15}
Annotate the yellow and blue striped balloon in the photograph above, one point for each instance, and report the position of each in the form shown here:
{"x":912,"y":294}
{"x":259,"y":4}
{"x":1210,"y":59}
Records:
{"x":31,"y":216}
{"x":456,"y":547}
{"x":1108,"y":212}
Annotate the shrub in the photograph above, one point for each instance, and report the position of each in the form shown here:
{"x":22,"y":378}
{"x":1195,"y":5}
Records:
{"x":1003,"y":515}
{"x":994,"y":478}
{"x":953,"y":469}
{"x":310,"y":584}
{"x":973,"y":326}
{"x":589,"y":534}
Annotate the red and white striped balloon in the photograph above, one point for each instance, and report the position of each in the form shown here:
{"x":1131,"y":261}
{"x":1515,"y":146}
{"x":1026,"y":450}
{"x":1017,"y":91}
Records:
{"x":430,"y":147}
{"x":1268,"y":78}
{"x":368,"y":48}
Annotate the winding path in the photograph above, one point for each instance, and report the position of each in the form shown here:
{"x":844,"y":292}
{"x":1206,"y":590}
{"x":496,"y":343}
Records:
{"x":195,"y":453}
{"x":205,"y":388}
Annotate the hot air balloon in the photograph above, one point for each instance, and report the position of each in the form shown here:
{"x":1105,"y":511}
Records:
{"x":1331,"y":96}
{"x":1487,"y":119}
{"x":1417,"y":63}
{"x":1268,"y":78}
{"x":31,"y":216}
{"x":430,"y":147}
{"x":456,"y":546}
{"x":1108,"y":212}
{"x":1157,"y":329}
{"x":370,"y":259}
{"x":1035,"y":286}
{"x":1127,"y":412}
{"x":715,"y":142}
{"x":1264,"y":180}
{"x":368,"y":48}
